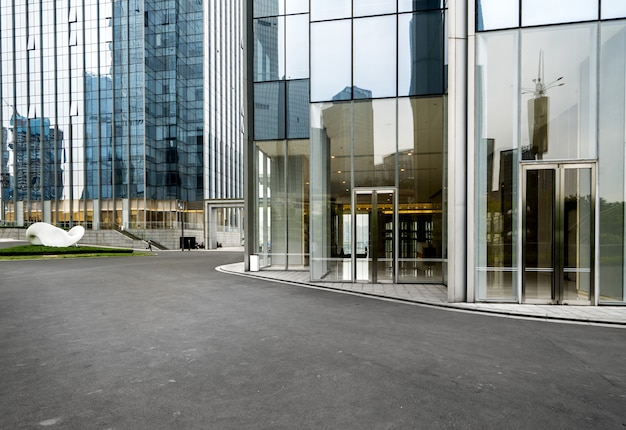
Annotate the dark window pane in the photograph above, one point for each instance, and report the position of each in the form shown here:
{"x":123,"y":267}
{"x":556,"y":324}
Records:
{"x":268,"y":8}
{"x":269,"y":49}
{"x":298,"y":109}
{"x":420,"y":62}
{"x":269,"y":111}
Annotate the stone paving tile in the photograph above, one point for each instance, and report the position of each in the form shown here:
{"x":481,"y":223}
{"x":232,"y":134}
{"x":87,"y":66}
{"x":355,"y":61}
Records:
{"x":435,"y":294}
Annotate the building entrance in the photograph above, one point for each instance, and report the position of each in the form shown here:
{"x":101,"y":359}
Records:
{"x":373,"y":235}
{"x":558,"y":226}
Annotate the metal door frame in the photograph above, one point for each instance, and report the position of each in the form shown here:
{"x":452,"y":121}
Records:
{"x":558,"y":241}
{"x":373,"y":192}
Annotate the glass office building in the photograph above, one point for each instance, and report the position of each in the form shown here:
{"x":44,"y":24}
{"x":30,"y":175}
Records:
{"x":118,"y":114}
{"x":550,"y":82}
{"x":348,"y":152}
{"x":475,"y":144}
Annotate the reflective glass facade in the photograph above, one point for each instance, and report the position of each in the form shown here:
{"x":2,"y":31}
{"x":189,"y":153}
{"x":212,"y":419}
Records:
{"x":349,"y":108}
{"x":549,"y":152}
{"x":112,"y":113}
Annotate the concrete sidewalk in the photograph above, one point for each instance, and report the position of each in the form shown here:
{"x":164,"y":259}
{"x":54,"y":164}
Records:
{"x":436,"y":295}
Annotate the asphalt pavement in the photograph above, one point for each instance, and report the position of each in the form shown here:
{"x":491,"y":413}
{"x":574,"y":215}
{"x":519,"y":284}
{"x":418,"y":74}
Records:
{"x":168,"y":342}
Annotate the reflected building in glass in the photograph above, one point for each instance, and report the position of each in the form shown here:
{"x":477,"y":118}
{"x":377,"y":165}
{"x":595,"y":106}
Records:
{"x":120,"y":114}
{"x":547,"y":198}
{"x":475,"y":144}
{"x":347,"y":154}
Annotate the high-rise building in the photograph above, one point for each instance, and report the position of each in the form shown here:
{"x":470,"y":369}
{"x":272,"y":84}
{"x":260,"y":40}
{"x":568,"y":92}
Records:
{"x":121,"y":114}
{"x":477,"y":144}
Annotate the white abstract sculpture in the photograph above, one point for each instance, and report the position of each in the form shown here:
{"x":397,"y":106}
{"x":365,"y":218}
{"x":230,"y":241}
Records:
{"x":42,"y":233}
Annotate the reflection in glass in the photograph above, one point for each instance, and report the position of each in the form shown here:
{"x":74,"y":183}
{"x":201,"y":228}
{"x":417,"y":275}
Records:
{"x":364,"y":232}
{"x":373,"y":7}
{"x":297,"y":47}
{"x":269,"y":49}
{"x":612,"y":135}
{"x":540,"y":12}
{"x":269,"y":7}
{"x":331,"y":65}
{"x":298,"y":109}
{"x":331,"y":129}
{"x":558,"y":97}
{"x":578,"y":226}
{"x":269,"y":110}
{"x":497,"y":159}
{"x":613,"y":9}
{"x":298,"y":177}
{"x":374,"y":143}
{"x":420,"y":189}
{"x":539,"y":238}
{"x":420,"y":53}
{"x":375,"y":55}
{"x":496,"y":14}
{"x":271,"y":203}
{"x":330,"y":9}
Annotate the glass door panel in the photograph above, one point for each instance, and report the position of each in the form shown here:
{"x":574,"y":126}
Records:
{"x":559,"y":227}
{"x":539,"y":229}
{"x":578,"y":234}
{"x":363,"y":259}
{"x":374,"y":231}
{"x":385,"y":245}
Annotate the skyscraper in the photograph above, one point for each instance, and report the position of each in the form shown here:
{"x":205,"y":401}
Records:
{"x":120,"y":113}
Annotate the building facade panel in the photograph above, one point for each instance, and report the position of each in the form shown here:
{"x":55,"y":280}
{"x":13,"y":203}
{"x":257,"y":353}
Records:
{"x":549,"y":214}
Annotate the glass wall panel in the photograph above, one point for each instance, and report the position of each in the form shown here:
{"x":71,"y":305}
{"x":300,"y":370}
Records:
{"x":331,"y":60}
{"x":374,"y":143}
{"x":420,"y":53}
{"x":420,"y":189}
{"x":330,"y":9}
{"x":540,"y":12}
{"x":298,"y":109}
{"x":298,"y":162}
{"x":271,"y":204}
{"x":331,"y":136}
{"x":269,"y":49}
{"x":559,"y":99}
{"x":269,"y":110}
{"x":296,"y":6}
{"x":497,"y":98}
{"x":495,"y":14}
{"x":612,"y":161}
{"x":613,"y":9}
{"x":297,"y":47}
{"x":373,"y":7}
{"x":375,"y":57}
{"x":268,"y":7}
{"x":415,"y":5}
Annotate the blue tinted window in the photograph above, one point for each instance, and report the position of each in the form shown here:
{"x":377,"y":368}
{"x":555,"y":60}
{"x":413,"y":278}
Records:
{"x":298,"y":109}
{"x":269,"y":111}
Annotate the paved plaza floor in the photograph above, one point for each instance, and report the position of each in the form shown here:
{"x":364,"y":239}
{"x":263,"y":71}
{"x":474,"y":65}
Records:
{"x":166,"y":341}
{"x":437,"y":295}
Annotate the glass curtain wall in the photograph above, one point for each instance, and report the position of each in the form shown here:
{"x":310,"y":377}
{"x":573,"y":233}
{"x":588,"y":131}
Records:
{"x":612,"y":143}
{"x":365,"y":135}
{"x":281,"y":133}
{"x":569,"y":104}
{"x":102,"y":111}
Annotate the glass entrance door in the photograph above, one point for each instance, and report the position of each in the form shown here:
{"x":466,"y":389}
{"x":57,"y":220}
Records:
{"x":373,"y":244}
{"x":558,"y":226}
